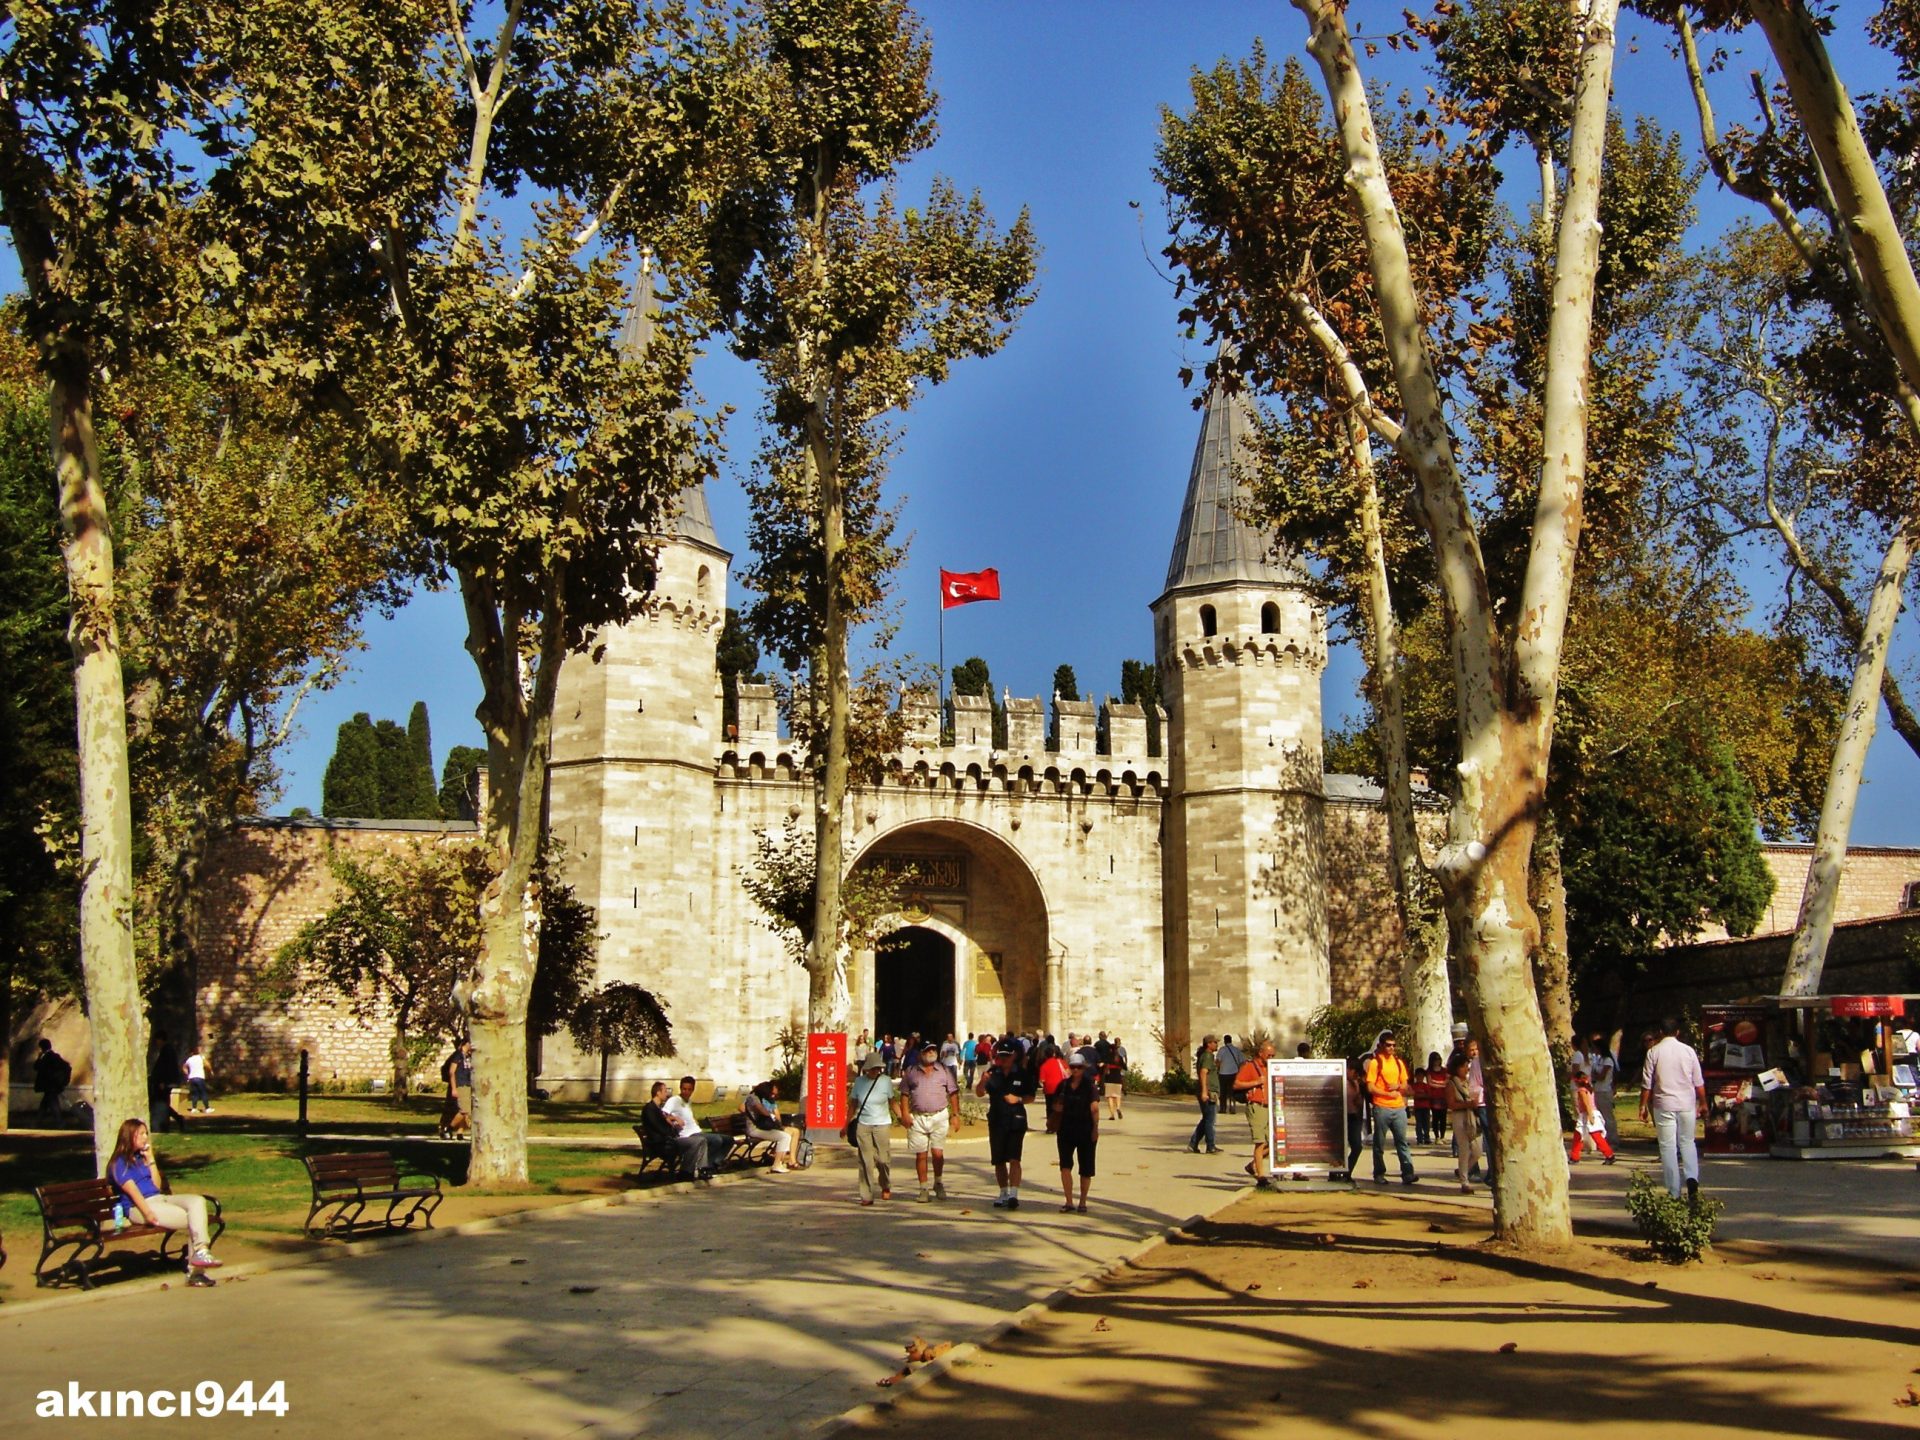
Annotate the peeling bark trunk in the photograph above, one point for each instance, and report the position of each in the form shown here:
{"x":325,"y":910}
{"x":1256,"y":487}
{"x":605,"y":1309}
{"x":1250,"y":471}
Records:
{"x":1551,"y":969}
{"x":114,"y":1011}
{"x":1505,"y":709}
{"x":827,"y":997}
{"x":1866,"y":218}
{"x":1815,"y":927}
{"x":518,"y":721}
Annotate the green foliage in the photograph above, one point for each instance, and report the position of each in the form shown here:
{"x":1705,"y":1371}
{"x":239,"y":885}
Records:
{"x":781,"y":883}
{"x":737,"y":657}
{"x":1344,"y":1031}
{"x":38,"y":781}
{"x":397,"y":941}
{"x":1673,"y":1229}
{"x":568,"y":951}
{"x":1065,"y":685}
{"x":350,"y":788}
{"x":457,"y":781}
{"x":1140,"y":685}
{"x":970,"y":677}
{"x":376,"y":771}
{"x":621,"y":1019}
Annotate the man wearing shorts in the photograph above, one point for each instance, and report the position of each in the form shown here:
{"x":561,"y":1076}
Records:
{"x":1250,"y":1085}
{"x":1007,"y":1089}
{"x":929,"y":1099}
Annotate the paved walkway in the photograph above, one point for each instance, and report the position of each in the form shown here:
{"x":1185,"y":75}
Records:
{"x":709,"y":1314}
{"x":758,"y":1307}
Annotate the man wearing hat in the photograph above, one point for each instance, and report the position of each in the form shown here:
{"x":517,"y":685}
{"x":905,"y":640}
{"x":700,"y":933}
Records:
{"x":1007,"y":1089}
{"x":870,"y":1105}
{"x":929,"y":1097}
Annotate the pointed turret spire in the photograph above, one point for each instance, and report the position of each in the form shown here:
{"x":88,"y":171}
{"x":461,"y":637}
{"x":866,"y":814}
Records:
{"x":1215,"y":544}
{"x":694,"y":521}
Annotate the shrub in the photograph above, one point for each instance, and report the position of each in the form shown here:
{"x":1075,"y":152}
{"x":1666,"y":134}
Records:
{"x":1674,"y":1230}
{"x":1340,"y":1032}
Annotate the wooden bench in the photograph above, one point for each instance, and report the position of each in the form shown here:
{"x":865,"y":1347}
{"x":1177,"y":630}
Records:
{"x":76,"y":1216}
{"x":344,"y":1185}
{"x":667,"y":1155}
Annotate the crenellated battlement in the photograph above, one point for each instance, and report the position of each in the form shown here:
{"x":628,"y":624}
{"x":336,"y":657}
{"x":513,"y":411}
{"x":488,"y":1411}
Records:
{"x":970,"y":759}
{"x":1308,"y":648}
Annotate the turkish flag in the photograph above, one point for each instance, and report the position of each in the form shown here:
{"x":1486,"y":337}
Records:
{"x":963,"y":587}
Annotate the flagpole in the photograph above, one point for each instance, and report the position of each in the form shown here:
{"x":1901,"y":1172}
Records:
{"x":940,"y":701}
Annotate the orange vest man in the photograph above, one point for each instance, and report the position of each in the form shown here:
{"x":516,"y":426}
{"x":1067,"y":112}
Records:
{"x":1386,"y":1076}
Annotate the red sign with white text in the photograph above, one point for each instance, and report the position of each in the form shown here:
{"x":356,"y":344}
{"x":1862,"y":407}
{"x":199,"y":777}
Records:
{"x":1866,"y":1006}
{"x":826,"y":1081}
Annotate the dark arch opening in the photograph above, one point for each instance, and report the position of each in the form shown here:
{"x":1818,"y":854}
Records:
{"x":1269,"y":619}
{"x":913,"y":983}
{"x":1209,"y":622}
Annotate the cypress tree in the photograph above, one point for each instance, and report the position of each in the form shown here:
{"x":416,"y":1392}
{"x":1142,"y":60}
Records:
{"x":456,"y":782}
{"x":351,"y":786}
{"x":426,"y":798}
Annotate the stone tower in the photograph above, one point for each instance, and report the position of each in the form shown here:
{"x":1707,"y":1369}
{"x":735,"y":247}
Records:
{"x":630,"y":788}
{"x":1240,"y":644}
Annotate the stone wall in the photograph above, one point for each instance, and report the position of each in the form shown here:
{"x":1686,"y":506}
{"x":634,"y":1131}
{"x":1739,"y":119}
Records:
{"x":1878,"y":880}
{"x":263,"y":882}
{"x":1866,"y":957}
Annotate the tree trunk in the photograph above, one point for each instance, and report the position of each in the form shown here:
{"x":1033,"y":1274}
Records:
{"x":1505,"y":715}
{"x":1815,"y":928}
{"x":1530,"y":1182}
{"x":397,"y":1056}
{"x":1866,"y":218}
{"x":606,"y":1064}
{"x":114,"y":1011}
{"x":1423,"y":935}
{"x":497,"y":1003}
{"x":1551,"y":971}
{"x":827,"y":997}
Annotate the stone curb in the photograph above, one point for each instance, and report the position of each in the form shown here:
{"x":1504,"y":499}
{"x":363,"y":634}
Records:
{"x":871,"y":1412}
{"x":326,"y":1253}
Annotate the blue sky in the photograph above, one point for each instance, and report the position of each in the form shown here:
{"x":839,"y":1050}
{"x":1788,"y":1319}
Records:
{"x":1061,"y":461}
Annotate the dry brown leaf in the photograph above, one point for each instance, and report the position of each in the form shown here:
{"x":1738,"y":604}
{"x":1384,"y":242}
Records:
{"x":1445,"y":1278}
{"x":1329,"y":1240}
{"x":1253,"y":1284}
{"x":1509,"y":1347}
{"x":895,"y":1378}
{"x":1363,"y":1284}
{"x":1102,"y":1324}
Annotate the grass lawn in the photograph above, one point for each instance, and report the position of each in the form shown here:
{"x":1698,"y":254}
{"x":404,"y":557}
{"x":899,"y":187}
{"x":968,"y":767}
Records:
{"x":248,"y":1154}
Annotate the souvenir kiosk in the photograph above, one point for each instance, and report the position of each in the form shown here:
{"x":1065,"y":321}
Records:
{"x":1847,"y":1082}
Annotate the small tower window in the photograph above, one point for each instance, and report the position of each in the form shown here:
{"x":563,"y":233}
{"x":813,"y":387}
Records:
{"x":700,"y":581}
{"x":1269,"y":619}
{"x":1209,"y":622}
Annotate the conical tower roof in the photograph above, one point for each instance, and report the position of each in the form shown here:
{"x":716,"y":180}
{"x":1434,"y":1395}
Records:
{"x":694,"y":521}
{"x":1215,"y":545}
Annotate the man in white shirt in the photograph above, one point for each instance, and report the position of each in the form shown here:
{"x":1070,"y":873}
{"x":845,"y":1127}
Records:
{"x":679,"y":1113}
{"x":1673,"y":1088}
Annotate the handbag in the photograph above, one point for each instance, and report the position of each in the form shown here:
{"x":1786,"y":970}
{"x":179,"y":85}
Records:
{"x":853,"y":1120}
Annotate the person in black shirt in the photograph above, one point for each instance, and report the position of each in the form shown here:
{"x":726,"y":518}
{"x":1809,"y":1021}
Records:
{"x":1008,"y":1088}
{"x":1076,"y":1112}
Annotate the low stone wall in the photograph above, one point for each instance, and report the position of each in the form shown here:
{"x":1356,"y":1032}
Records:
{"x":1866,"y":957}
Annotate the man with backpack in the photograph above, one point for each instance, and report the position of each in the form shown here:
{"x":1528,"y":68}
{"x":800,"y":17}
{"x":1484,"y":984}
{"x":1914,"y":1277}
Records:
{"x":1387,"y":1085}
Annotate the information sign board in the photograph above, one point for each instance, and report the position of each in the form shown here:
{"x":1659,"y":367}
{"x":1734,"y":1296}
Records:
{"x":1308,"y":1116}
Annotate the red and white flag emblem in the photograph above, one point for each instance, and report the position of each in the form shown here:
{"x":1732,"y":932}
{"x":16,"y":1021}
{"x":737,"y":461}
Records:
{"x":961,"y":587}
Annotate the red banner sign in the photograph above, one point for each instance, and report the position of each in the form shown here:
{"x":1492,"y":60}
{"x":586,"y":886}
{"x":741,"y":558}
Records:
{"x":1865,"y":1007}
{"x":826,"y":1081}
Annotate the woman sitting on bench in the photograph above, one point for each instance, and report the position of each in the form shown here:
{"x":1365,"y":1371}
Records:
{"x":764,"y":1123}
{"x":136,"y":1173}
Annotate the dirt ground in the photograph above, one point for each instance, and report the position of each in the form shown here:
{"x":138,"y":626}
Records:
{"x":1333,"y":1313}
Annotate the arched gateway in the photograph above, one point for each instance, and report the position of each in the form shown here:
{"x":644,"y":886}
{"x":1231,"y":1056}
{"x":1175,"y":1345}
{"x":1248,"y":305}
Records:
{"x":967,"y":952}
